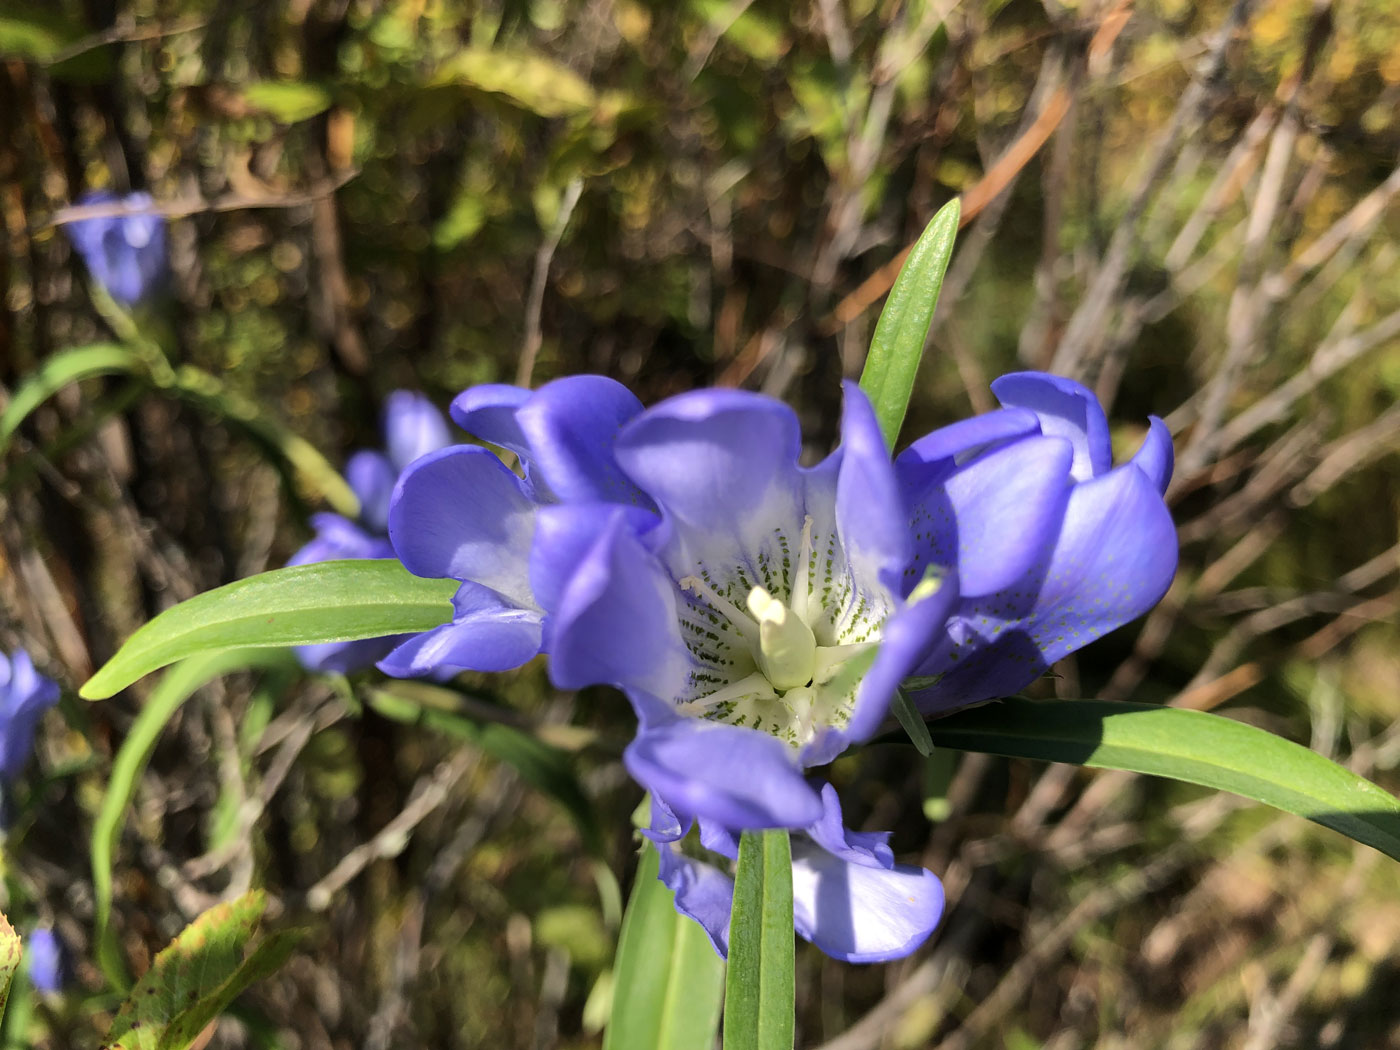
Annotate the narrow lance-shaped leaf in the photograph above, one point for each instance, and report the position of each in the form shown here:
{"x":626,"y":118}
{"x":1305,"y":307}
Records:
{"x":759,"y":990}
{"x":668,"y":981}
{"x":898,"y":343}
{"x":56,"y":372}
{"x":331,"y":601}
{"x":130,"y":763}
{"x":1191,"y":746}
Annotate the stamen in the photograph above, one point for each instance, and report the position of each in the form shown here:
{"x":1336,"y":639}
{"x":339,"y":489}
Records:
{"x":801,"y":580}
{"x":743,"y":624}
{"x":754,"y":685}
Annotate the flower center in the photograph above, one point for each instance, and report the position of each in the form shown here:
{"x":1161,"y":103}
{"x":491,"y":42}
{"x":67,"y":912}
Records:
{"x":780,"y":677}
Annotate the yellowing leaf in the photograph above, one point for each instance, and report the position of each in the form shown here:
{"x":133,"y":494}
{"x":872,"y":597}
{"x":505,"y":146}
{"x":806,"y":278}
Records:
{"x":535,"y":82}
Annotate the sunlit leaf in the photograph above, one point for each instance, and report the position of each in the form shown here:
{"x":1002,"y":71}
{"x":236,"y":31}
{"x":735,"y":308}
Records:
{"x":533,"y":81}
{"x":57,"y":371}
{"x":333,"y":601}
{"x":898,"y":343}
{"x":288,"y":101}
{"x":9,"y":960}
{"x":759,"y":997}
{"x":668,"y":981}
{"x":198,"y":975}
{"x":1192,"y":746}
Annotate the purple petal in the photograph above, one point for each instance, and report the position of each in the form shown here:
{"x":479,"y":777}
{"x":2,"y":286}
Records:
{"x":371,"y":477}
{"x":345,"y":657}
{"x":571,"y":426}
{"x":1066,"y":409}
{"x":413,"y":427}
{"x":460,"y":513}
{"x":858,"y":913}
{"x":719,"y":839}
{"x":615,"y":620}
{"x":339,"y":538}
{"x":565,"y":533}
{"x":666,"y":824}
{"x":485,"y":634}
{"x":994,"y":517}
{"x":907,"y":639}
{"x":1156,"y":457}
{"x":869,"y":508}
{"x":125,"y":253}
{"x":43,"y":958}
{"x":24,"y":697}
{"x":868,"y":848}
{"x":737,"y":777}
{"x":488,"y":412}
{"x":1113,"y":560}
{"x":934,"y":455}
{"x":703,"y":893}
{"x":722,"y":466}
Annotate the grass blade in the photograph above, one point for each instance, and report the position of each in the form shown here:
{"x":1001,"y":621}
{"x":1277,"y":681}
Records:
{"x":332,"y":601}
{"x":758,"y":992}
{"x":56,"y":372}
{"x":898,"y":343}
{"x":1191,"y":746}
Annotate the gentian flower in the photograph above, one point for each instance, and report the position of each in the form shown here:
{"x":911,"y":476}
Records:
{"x":412,"y":428}
{"x":44,"y":960}
{"x":24,"y":697}
{"x":760,"y":615}
{"x":1054,"y":546}
{"x":124,"y":253}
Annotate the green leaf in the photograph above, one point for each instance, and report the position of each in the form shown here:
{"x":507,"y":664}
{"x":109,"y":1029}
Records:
{"x":56,"y":372}
{"x":533,"y":81}
{"x":130,"y":763}
{"x":288,"y":101}
{"x":1193,"y":746}
{"x":668,"y":981}
{"x":900,"y":334}
{"x":758,"y":991}
{"x":9,"y":960}
{"x":195,"y":979}
{"x":912,"y":722}
{"x":332,"y":601}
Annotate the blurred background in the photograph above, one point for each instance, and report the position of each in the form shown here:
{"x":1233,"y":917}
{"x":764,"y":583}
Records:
{"x":1189,"y":206}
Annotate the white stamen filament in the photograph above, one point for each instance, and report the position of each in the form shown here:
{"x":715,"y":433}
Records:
{"x":754,"y":685}
{"x":801,"y":580}
{"x":831,"y":658}
{"x":745,"y":626}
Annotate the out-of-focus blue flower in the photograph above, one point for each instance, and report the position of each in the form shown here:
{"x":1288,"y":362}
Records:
{"x":124,"y":253}
{"x":44,"y":960}
{"x":412,"y":428}
{"x":25,"y":695}
{"x":1054,"y":546}
{"x":759,"y":615}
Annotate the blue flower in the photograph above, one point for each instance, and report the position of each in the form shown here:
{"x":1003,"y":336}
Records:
{"x":849,"y":897}
{"x":24,"y":697}
{"x":44,"y":960}
{"x":125,"y":253}
{"x":1054,"y":546}
{"x":759,"y":615}
{"x":412,"y":428}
